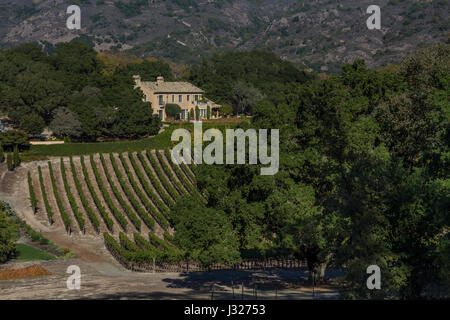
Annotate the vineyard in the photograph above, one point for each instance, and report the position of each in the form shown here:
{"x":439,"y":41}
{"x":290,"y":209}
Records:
{"x":125,"y":198}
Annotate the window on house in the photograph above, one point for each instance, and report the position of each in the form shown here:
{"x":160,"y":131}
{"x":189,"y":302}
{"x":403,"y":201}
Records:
{"x":188,"y":97}
{"x":161,"y":100}
{"x":180,"y":98}
{"x":173,"y":98}
{"x":196,"y":97}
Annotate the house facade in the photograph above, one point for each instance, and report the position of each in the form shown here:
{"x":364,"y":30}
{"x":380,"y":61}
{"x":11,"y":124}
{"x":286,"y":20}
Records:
{"x":184,"y":94}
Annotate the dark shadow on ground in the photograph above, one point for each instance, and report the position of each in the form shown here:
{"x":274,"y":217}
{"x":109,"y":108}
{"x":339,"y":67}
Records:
{"x":280,"y":278}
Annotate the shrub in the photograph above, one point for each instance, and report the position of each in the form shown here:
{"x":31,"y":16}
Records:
{"x":7,"y":248}
{"x":169,"y":188}
{"x":170,"y":174}
{"x":197,"y":113}
{"x":91,"y":215}
{"x":188,"y":172}
{"x":33,"y":198}
{"x":16,"y":157}
{"x":78,"y":215}
{"x":48,"y":208}
{"x":157,"y":185}
{"x":127,"y":244}
{"x":9,"y":162}
{"x":128,"y":210}
{"x":163,"y":245}
{"x":143,"y":243}
{"x":172,"y":110}
{"x":144,"y":216}
{"x":150,"y":207}
{"x":62,"y":210}
{"x":116,"y":213}
{"x":108,"y":221}
{"x":187,"y":184}
{"x":9,"y":139}
{"x":226,"y":110}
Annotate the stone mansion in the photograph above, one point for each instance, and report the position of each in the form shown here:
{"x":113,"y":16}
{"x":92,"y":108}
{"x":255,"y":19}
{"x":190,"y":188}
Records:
{"x":184,"y":94}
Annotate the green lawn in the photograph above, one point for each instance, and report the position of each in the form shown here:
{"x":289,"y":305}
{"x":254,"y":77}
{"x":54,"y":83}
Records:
{"x":27,"y":253}
{"x":161,"y":141}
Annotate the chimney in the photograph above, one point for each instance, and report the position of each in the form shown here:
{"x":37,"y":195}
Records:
{"x":137,"y":79}
{"x":160,"y":79}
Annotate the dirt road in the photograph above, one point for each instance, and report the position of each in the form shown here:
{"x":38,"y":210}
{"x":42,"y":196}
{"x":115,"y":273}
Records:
{"x":106,"y":281}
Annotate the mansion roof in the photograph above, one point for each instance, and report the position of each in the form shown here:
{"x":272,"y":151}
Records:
{"x":160,"y":86}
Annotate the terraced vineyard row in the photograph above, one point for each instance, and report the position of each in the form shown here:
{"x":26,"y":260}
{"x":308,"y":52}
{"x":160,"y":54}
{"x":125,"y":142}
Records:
{"x":124,"y":197}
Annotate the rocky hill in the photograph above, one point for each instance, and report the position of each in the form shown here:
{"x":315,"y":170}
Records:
{"x":317,"y":34}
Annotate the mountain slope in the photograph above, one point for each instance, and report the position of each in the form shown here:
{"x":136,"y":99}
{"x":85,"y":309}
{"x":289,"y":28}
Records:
{"x":317,"y":34}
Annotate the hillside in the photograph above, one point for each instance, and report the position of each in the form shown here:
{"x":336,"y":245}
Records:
{"x":318,"y":34}
{"x":123,"y":199}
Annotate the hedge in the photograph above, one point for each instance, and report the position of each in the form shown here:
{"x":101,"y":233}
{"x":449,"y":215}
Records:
{"x":128,"y":210}
{"x":144,"y":215}
{"x":116,"y":213}
{"x":178,"y":186}
{"x":108,"y":221}
{"x":62,"y":211}
{"x":170,"y":190}
{"x":91,"y":215}
{"x":78,"y":215}
{"x":157,"y":185}
{"x":33,"y":198}
{"x":127,"y":244}
{"x":187,"y":184}
{"x":142,"y":243}
{"x":161,"y":218}
{"x":48,"y":208}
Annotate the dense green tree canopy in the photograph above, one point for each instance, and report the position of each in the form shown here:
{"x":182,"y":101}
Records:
{"x":364,"y":173}
{"x":7,"y":249}
{"x":10,"y":139}
{"x":34,"y":85}
{"x":259,"y":70}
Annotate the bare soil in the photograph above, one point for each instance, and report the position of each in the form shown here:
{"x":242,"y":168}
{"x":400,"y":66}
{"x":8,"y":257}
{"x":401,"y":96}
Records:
{"x":105,"y":281}
{"x":27,"y":272}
